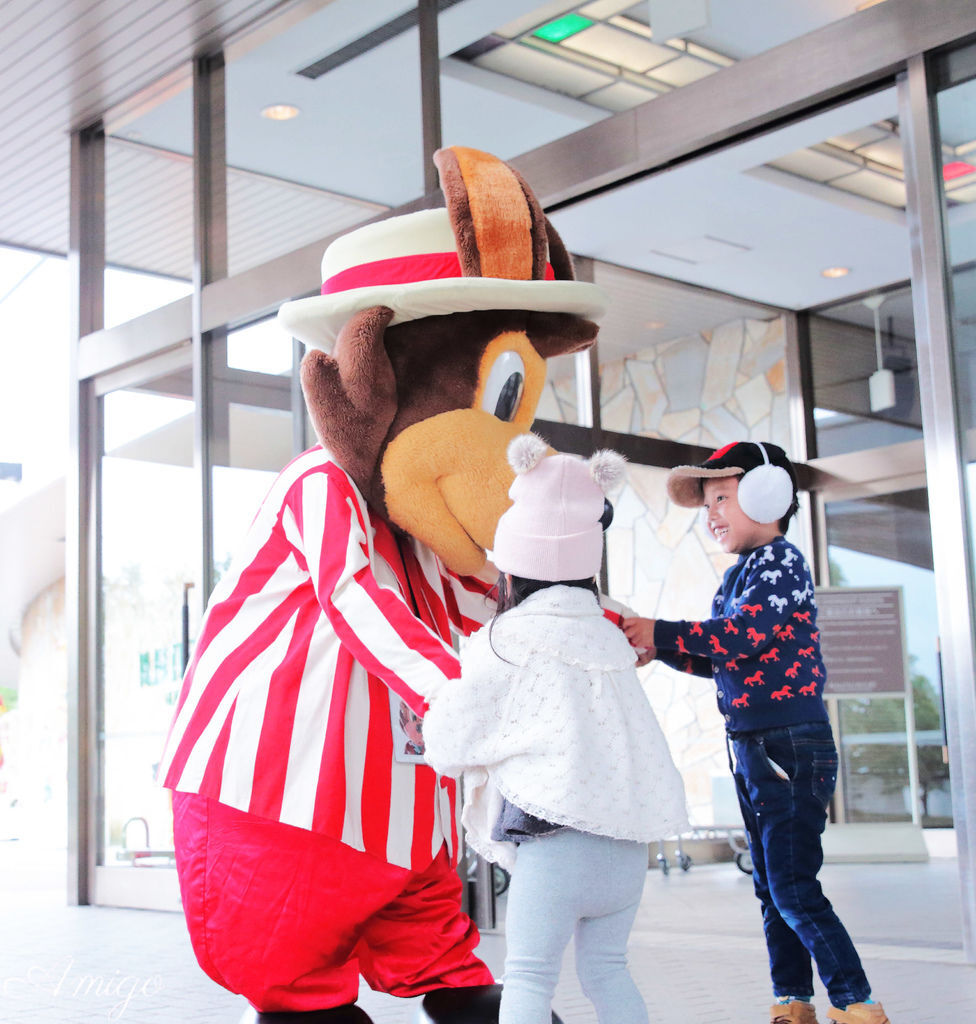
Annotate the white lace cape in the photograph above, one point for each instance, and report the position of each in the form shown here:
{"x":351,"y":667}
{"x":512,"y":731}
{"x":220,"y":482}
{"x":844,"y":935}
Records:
{"x":551,"y":715}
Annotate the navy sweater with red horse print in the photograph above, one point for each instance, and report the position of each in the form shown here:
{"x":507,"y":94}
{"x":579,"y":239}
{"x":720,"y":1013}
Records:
{"x":762,"y":645}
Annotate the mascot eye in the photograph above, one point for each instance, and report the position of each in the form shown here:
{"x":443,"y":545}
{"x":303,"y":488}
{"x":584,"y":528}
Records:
{"x":503,"y":389}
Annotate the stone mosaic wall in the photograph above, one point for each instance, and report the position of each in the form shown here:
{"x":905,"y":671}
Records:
{"x":709,"y":389}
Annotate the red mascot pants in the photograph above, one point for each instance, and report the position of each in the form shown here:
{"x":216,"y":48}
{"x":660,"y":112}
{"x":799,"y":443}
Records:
{"x":290,"y":919}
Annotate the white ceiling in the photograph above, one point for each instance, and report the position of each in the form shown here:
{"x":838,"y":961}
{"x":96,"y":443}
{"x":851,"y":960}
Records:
{"x":772,"y":233}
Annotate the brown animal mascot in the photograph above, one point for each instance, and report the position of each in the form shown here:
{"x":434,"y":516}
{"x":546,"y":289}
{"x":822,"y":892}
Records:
{"x":313,"y":843}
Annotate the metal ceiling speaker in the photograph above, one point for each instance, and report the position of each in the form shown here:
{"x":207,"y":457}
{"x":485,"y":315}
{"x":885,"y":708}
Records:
{"x":881,"y":384}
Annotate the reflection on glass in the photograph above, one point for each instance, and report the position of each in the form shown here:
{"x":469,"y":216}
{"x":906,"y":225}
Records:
{"x":559,"y":401}
{"x":147,"y":545}
{"x":129,"y":294}
{"x":885,"y":541}
{"x":686,"y":365}
{"x":874,"y":759}
{"x":148,"y":213}
{"x":260,"y":447}
{"x":353,"y":147}
{"x":850,"y":342}
{"x":957,"y":128}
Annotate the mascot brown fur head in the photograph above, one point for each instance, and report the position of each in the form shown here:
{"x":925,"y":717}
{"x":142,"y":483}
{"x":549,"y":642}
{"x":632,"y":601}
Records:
{"x":430,"y":347}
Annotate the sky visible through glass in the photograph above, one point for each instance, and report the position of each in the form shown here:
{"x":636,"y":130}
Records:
{"x":34,"y":337}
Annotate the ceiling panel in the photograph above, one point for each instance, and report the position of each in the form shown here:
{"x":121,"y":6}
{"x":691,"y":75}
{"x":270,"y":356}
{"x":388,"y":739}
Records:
{"x":64,"y":64}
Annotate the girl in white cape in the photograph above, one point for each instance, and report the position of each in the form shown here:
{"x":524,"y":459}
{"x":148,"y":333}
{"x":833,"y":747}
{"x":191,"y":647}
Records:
{"x":567,"y":773}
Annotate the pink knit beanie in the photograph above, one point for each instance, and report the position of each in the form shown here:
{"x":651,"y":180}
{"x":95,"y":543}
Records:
{"x":553,"y":529}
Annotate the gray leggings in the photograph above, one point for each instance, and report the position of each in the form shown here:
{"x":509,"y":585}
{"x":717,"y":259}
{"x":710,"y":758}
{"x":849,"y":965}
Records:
{"x":564,"y":884}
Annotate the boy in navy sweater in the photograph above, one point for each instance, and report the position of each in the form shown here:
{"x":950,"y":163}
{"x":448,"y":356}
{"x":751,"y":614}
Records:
{"x":762,"y":647}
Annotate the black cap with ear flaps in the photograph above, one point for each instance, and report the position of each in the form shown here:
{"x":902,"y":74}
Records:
{"x":738,"y":459}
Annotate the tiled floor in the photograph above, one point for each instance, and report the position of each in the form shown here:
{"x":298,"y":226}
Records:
{"x":696,"y":951}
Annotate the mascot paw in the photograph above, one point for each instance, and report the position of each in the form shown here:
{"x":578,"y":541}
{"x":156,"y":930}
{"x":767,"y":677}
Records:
{"x":348,"y":1014}
{"x":475,"y":1005}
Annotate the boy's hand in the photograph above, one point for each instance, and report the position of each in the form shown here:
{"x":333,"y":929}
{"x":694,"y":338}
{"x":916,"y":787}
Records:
{"x":640,"y":632}
{"x":645,"y":656}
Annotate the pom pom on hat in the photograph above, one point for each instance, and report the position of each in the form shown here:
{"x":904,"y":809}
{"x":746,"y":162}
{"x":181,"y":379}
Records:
{"x":525,"y":451}
{"x":608,"y":469}
{"x":553,"y":530}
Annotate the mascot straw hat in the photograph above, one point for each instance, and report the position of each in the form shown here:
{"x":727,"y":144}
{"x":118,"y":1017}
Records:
{"x":418,"y":267}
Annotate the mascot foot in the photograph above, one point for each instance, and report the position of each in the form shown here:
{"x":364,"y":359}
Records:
{"x":348,"y":1014}
{"x":475,"y":1005}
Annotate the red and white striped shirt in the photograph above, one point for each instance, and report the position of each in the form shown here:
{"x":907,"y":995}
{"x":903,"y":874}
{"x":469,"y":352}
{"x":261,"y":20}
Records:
{"x":284,"y":711}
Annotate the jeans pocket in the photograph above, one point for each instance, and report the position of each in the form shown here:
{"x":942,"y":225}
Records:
{"x":824,"y":776}
{"x":777,"y":769}
{"x":779,"y":760}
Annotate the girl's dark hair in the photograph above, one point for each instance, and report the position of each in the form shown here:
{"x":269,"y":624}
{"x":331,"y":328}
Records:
{"x":508,"y":596}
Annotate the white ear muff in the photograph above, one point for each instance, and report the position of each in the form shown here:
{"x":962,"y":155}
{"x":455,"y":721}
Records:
{"x":766,"y":492}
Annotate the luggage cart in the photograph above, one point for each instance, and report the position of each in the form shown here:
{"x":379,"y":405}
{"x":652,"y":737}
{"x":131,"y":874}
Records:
{"x":682,"y":858}
{"x":734,"y":835}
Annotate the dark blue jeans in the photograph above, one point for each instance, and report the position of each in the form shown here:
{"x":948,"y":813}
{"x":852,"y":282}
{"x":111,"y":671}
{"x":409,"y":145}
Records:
{"x":784,"y":819}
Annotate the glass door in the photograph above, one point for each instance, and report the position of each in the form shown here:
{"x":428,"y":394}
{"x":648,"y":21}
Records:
{"x":884,"y":541}
{"x":149,"y":570}
{"x":148,"y":562}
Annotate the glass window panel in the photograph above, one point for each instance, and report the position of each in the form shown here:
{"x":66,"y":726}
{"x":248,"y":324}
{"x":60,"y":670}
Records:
{"x":237,"y":495}
{"x":844,"y":356}
{"x":685,"y":365}
{"x":559,"y":399}
{"x":148,"y":544}
{"x":252,"y":435}
{"x":262,"y":348}
{"x":956,"y":123}
{"x":149,"y":209}
{"x":885,"y":541}
{"x":129,"y":293}
{"x":35,"y":328}
{"x":353,"y":148}
{"x":957,"y":128}
{"x":763,"y":219}
{"x":874,"y":759}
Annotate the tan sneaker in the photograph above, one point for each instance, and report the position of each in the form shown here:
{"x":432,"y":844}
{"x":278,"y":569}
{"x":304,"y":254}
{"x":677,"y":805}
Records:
{"x":858,"y":1013}
{"x":795,"y":1012}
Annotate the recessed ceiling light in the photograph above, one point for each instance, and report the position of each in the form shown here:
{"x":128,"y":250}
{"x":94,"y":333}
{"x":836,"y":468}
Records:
{"x":653,"y":325}
{"x":835,"y":272}
{"x":280,"y":112}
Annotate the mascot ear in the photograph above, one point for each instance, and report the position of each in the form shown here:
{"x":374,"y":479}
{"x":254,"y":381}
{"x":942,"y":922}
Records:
{"x":351,"y":395}
{"x":498,"y":224}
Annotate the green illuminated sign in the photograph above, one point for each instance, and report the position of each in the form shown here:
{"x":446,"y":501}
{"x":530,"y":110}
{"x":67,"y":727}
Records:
{"x":562,"y":28}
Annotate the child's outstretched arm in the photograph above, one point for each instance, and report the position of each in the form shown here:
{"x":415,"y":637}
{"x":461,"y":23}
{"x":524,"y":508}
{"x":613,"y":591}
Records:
{"x":757,"y":619}
{"x":640,"y":632}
